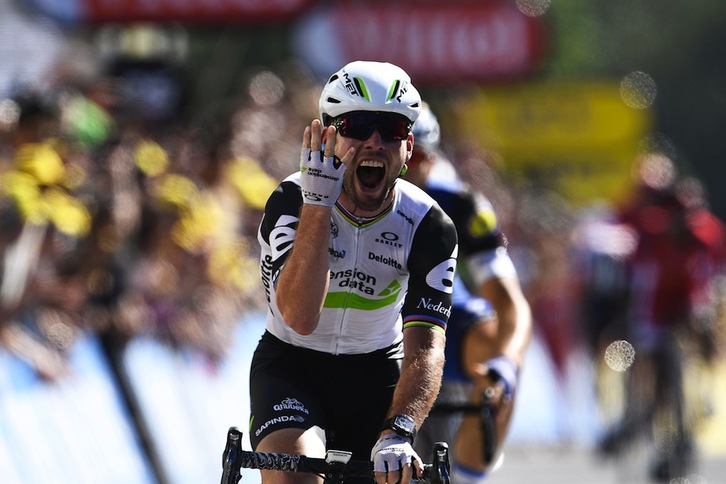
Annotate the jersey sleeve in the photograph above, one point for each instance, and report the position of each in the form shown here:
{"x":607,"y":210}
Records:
{"x":432,"y":265}
{"x":476,"y":223}
{"x":483,"y":245}
{"x":277,"y":231}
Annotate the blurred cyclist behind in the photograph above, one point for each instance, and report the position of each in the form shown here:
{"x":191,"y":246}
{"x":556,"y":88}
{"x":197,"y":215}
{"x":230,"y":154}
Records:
{"x":672,"y":315}
{"x":490,"y":325}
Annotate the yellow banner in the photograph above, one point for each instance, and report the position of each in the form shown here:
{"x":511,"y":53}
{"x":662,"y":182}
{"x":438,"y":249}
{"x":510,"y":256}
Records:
{"x":580,"y":139}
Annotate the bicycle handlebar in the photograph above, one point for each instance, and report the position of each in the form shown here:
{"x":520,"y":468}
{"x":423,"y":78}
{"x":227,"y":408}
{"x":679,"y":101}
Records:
{"x":234,"y":459}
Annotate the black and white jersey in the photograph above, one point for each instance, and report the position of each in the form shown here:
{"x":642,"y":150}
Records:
{"x":386,"y":274}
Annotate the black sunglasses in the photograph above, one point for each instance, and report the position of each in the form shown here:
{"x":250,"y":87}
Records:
{"x":361,"y":124}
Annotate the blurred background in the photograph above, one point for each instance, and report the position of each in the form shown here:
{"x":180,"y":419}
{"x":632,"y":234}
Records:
{"x":139,"y":141}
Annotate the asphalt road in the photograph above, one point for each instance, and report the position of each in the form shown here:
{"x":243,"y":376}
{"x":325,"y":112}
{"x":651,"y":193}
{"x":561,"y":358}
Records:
{"x":565,"y":465}
{"x":553,"y":436}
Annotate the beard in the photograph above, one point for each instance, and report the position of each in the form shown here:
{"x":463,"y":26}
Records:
{"x":365,"y":201}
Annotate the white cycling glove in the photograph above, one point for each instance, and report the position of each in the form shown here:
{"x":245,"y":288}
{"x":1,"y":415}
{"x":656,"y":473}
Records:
{"x":321,"y":181}
{"x":392,"y":452}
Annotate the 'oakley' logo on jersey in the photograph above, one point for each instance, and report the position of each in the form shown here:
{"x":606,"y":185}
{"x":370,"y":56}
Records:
{"x":389,"y":238}
{"x":441,"y":277}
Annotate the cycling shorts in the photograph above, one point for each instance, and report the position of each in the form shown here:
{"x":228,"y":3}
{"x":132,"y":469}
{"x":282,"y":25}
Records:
{"x":348,"y":396}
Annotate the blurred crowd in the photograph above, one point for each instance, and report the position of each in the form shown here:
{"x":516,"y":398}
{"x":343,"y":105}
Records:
{"x":123,"y":218}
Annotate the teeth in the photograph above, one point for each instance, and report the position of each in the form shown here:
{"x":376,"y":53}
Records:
{"x":372,"y":163}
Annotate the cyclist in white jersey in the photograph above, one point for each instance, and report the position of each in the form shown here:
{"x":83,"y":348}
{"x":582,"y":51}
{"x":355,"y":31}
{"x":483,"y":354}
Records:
{"x":358,"y":268}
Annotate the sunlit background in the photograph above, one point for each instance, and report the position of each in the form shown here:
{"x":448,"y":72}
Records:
{"x":139,"y":141}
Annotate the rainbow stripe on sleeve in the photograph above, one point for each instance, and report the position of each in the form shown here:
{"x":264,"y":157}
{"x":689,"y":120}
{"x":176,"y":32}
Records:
{"x":423,"y":321}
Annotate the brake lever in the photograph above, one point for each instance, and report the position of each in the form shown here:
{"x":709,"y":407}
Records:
{"x":441,"y":460}
{"x":230,"y":465}
{"x":488,"y":425}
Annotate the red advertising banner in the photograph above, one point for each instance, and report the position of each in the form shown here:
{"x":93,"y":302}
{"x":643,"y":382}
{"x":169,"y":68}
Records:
{"x":483,"y":41}
{"x":186,"y":11}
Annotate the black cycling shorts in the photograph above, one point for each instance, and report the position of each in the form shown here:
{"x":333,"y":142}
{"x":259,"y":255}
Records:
{"x":346,"y":395}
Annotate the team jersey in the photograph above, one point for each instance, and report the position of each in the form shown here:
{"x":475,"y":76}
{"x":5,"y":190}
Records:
{"x":483,"y":255}
{"x":482,"y":244}
{"x":387,"y":273}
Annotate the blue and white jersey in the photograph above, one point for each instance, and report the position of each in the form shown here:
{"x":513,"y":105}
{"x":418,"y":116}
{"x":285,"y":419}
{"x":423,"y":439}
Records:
{"x":483,"y":255}
{"x":386,"y":273}
{"x":482,"y":244}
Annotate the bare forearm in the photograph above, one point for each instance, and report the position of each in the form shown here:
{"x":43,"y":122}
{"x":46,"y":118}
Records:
{"x":304,"y":280}
{"x":421,"y":374}
{"x":514,"y":317}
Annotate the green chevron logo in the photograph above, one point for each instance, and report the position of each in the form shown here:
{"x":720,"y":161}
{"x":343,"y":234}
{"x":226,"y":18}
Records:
{"x":387,"y":297}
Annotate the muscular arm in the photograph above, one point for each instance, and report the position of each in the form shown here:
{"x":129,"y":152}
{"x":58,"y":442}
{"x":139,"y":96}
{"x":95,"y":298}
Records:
{"x":513,"y":327}
{"x":304,"y":279}
{"x":303,"y":282}
{"x":425,"y":314}
{"x":421,"y":373}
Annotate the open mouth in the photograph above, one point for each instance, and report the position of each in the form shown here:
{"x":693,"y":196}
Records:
{"x":371,"y":173}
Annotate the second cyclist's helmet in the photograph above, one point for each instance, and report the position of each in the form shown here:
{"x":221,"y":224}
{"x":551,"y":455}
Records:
{"x":426,"y":129}
{"x":369,"y":86}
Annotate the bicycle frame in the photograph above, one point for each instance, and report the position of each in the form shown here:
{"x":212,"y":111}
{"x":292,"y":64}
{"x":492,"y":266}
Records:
{"x":487,"y":412}
{"x":335,"y":468}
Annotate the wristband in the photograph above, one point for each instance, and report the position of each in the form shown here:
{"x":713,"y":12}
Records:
{"x":403,"y":425}
{"x":503,"y":369}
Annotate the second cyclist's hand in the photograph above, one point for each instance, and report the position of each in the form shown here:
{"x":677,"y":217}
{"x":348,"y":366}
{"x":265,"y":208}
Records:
{"x":394,"y":460}
{"x":321,"y":174}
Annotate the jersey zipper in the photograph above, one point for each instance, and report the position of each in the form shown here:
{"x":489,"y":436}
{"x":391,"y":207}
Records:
{"x":344,"y":311}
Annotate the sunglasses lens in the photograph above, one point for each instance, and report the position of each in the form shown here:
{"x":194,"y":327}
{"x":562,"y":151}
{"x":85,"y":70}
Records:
{"x":360,"y":125}
{"x":393,"y":127}
{"x":356,"y":125}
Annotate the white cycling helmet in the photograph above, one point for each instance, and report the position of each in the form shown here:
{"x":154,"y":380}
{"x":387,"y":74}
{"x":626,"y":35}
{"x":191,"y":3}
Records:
{"x":369,"y":86}
{"x":426,"y":129}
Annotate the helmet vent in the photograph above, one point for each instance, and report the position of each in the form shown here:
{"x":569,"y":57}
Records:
{"x":369,"y":86}
{"x":360,"y":86}
{"x":393,"y":92}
